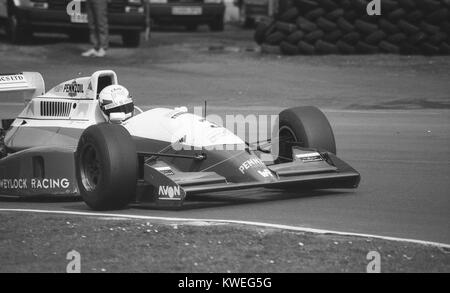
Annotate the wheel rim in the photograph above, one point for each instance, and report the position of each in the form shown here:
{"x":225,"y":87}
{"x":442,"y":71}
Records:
{"x":90,"y":168}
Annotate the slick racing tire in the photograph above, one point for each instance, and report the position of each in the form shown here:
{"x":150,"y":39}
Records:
{"x":306,"y":126}
{"x":106,"y":167}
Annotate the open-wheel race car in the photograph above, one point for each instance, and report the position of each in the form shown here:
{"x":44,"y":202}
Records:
{"x":85,"y":137}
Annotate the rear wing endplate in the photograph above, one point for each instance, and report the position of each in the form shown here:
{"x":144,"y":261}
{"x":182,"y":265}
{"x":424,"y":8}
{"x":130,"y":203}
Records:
{"x":25,"y":85}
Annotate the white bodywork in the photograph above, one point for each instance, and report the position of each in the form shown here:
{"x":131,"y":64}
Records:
{"x":58,"y":118}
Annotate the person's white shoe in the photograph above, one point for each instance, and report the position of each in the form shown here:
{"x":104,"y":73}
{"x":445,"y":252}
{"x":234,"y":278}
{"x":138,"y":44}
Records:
{"x":100,"y":53}
{"x":89,"y":53}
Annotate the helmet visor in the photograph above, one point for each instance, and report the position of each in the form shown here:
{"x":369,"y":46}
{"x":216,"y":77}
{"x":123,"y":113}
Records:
{"x":127,"y":108}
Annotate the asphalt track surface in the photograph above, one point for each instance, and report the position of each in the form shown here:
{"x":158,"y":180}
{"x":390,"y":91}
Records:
{"x":390,"y":115}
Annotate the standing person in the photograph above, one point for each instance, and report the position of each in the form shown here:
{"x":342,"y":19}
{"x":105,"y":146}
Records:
{"x":97,"y":12}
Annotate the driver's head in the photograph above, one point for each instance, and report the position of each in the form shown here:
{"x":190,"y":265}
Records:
{"x":116,"y":99}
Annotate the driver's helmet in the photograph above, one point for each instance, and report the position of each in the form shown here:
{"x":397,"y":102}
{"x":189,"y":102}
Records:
{"x":116,"y":99}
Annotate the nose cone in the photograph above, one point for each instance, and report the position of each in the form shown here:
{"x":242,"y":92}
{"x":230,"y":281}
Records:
{"x":240,"y":166}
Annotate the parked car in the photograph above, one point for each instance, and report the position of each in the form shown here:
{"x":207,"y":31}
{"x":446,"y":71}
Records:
{"x":22,"y":18}
{"x":189,"y":13}
{"x":250,"y":11}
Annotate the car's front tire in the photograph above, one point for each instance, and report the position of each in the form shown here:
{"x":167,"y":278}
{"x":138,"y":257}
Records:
{"x":307,"y":127}
{"x":106,"y":167}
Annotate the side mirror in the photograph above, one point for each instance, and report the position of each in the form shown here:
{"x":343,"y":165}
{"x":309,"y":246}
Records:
{"x":117,"y":118}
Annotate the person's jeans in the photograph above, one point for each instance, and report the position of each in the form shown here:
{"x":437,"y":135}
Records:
{"x":97,"y":11}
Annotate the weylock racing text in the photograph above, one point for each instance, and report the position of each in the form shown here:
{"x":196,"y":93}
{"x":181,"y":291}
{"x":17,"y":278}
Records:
{"x":34,"y":183}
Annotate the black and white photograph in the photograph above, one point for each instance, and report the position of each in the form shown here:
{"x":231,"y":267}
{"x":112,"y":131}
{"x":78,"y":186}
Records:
{"x":222,"y":142}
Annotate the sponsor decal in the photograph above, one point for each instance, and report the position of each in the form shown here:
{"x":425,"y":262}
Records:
{"x":13,"y":183}
{"x":11,"y":78}
{"x":250,"y":163}
{"x":170,"y":191}
{"x":35,"y":183}
{"x":165,"y":170}
{"x":265,"y":173}
{"x":73,"y":88}
{"x":309,"y":157}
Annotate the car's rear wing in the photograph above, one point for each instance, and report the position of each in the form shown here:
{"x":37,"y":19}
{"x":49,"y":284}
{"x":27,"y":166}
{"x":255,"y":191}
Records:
{"x":25,"y":85}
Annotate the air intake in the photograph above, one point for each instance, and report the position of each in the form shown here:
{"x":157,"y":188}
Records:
{"x":56,"y":109}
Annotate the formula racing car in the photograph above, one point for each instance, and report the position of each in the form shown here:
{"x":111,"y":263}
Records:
{"x":85,"y":137}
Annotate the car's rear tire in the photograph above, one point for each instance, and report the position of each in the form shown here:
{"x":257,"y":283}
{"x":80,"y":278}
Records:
{"x":106,"y":167}
{"x":131,"y":39}
{"x":306,"y":126}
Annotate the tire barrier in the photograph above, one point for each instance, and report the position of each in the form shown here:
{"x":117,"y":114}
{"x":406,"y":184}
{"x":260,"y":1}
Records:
{"x":343,"y":27}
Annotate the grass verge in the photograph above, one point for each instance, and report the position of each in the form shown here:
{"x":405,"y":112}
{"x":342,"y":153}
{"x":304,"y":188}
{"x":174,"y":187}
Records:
{"x":40,"y":243}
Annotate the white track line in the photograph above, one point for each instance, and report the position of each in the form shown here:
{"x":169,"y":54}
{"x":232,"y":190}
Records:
{"x":258,"y":224}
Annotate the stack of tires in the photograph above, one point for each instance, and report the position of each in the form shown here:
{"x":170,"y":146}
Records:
{"x":344,"y":27}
